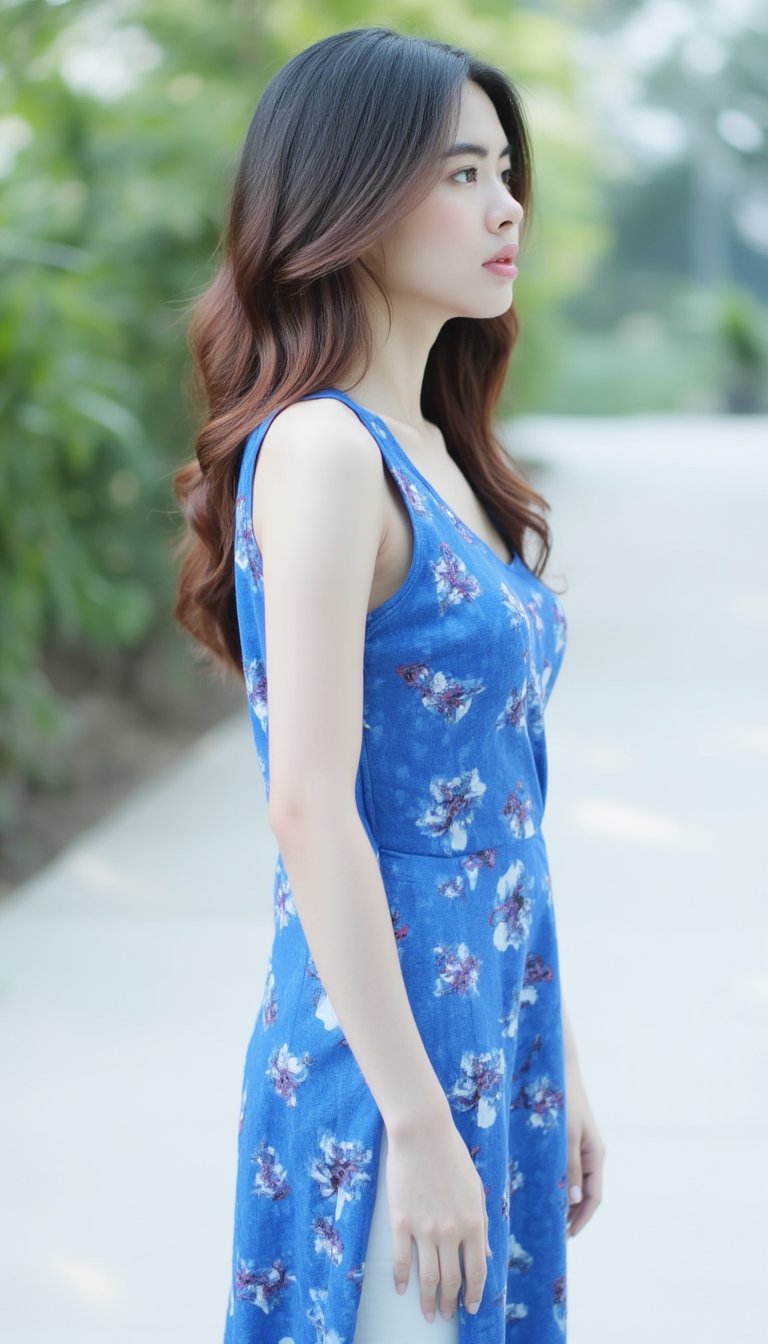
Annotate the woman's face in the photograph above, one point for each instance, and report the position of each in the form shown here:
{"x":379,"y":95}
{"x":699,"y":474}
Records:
{"x":435,"y":253}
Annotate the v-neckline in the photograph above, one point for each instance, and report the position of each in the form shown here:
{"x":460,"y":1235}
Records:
{"x":505,"y":564}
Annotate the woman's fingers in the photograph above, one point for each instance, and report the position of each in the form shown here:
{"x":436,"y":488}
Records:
{"x":401,"y":1258}
{"x":450,"y":1276}
{"x":475,"y":1258}
{"x":429,"y":1276}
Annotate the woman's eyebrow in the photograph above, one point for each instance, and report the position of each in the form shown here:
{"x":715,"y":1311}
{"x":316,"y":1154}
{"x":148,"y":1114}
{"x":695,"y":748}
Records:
{"x":481,"y":150}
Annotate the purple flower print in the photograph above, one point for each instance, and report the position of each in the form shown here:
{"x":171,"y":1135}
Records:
{"x":262,"y":1287}
{"x":270,"y":1179}
{"x":543,"y":1100}
{"x":256,"y":685}
{"x":483,"y":858}
{"x":459,"y":971}
{"x":536,"y":971}
{"x":316,"y":1315}
{"x":440,"y":693}
{"x":247,"y":554}
{"x":268,"y":1000}
{"x":452,"y":888}
{"x":517,"y":1258}
{"x":284,"y":905}
{"x":400,"y":931}
{"x":452,"y":580}
{"x":328,"y":1240}
{"x":513,"y":713}
{"x":287,"y":1072}
{"x":517,"y":810}
{"x":479,"y":1085}
{"x":461,"y":528}
{"x":454,"y":801}
{"x":511,"y":919}
{"x":534,"y":607}
{"x":514,"y":604}
{"x":411,"y":491}
{"x":561,"y":624}
{"x":340,"y":1171}
{"x":559,"y":1302}
{"x":355,"y":1275}
{"x":511,"y":1018}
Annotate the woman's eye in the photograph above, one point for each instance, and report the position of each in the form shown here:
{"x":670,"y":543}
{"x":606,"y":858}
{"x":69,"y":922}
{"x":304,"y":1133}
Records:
{"x":506,"y":176}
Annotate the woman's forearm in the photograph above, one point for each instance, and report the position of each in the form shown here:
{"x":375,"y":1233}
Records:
{"x":341,"y":901}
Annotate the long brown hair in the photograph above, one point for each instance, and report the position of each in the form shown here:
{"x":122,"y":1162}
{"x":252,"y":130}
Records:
{"x":346,"y":138}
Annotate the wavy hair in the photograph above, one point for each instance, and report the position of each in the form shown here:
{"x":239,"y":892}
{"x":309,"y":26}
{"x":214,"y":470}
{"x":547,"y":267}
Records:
{"x":346,"y":138}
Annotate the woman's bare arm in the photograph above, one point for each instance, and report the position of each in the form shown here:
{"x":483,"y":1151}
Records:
{"x":319,"y":497}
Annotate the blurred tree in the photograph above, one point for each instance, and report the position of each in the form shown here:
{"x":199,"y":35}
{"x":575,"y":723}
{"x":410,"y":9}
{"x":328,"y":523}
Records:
{"x":120,"y":127}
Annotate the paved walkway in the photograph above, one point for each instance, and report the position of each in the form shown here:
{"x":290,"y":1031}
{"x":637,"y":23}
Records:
{"x":132,"y":968}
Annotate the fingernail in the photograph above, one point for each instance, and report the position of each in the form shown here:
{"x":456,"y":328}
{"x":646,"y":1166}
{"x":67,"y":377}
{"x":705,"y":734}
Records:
{"x":400,"y":1287}
{"x":430,"y":1315}
{"x":575,"y":1193}
{"x":472,"y":1306}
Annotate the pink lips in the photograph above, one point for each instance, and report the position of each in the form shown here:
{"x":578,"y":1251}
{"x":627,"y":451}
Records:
{"x":504,"y":261}
{"x":507,"y":269}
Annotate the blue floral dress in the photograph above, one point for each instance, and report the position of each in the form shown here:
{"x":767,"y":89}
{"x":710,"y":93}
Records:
{"x":459,"y":664}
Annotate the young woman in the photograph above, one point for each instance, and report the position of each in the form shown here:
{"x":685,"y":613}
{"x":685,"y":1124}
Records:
{"x":406,"y":1079}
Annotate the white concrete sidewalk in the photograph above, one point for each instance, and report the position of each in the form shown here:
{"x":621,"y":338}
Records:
{"x":131,"y":970}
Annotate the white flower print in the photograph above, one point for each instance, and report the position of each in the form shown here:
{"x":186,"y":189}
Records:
{"x":515,"y":1311}
{"x":514,"y":604}
{"x":443,"y":695}
{"x":511,"y":1019}
{"x":534,"y":607}
{"x":514,"y":1182}
{"x":410,"y":489}
{"x":543,"y":1100}
{"x":454,"y":801}
{"x":288,"y":1072}
{"x":316,"y":1315}
{"x":453,"y":887}
{"x":284,"y":904}
{"x":452,"y":580}
{"x":247,"y":554}
{"x":561,"y":624}
{"x":328,"y":1240}
{"x":513,"y":713}
{"x":262,"y":1287}
{"x":512,"y":917}
{"x":459,"y":971}
{"x":517,"y":1258}
{"x":340,"y":1172}
{"x":461,"y":528}
{"x":479,"y":1085}
{"x":256,"y":685}
{"x":270,"y":1180}
{"x":482,"y":858}
{"x":269,"y":1000}
{"x":518,"y":809}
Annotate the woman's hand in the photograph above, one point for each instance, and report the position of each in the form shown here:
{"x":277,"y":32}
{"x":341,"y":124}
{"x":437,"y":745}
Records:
{"x":436,"y":1198}
{"x":586,"y":1151}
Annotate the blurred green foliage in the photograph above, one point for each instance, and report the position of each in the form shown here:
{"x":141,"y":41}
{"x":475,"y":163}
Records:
{"x":121,"y":122}
{"x":120,"y":127}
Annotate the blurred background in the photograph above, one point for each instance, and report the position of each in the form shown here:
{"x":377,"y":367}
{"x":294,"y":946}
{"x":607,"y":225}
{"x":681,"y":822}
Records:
{"x":135,"y":855}
{"x":644,"y":289}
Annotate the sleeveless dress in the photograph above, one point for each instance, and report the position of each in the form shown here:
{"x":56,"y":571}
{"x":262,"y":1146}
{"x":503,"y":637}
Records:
{"x":451,"y":785}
